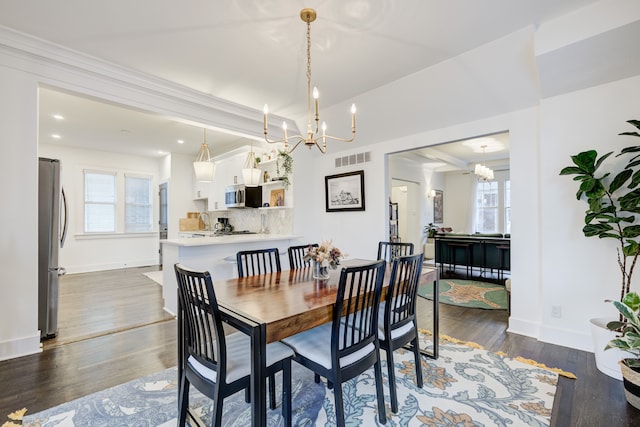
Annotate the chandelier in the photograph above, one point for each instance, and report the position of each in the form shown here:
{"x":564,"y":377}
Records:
{"x":481,"y":170}
{"x":204,"y":165}
{"x":312,"y":136}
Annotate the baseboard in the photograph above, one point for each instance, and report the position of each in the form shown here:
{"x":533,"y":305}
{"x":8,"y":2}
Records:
{"x":567,"y":338}
{"x":111,"y":266}
{"x":524,"y":327}
{"x":551,"y":335}
{"x":20,"y":347}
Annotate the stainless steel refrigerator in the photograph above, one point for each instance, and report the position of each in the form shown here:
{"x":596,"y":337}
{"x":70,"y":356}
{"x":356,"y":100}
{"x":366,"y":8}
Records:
{"x":52,"y":230}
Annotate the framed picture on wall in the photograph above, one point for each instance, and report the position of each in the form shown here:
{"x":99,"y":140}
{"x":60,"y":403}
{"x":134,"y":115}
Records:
{"x":438,"y":212}
{"x":344,"y":192}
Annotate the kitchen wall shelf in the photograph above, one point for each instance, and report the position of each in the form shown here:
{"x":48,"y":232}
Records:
{"x":267,"y":162}
{"x":275,"y":207}
{"x":281,"y":182}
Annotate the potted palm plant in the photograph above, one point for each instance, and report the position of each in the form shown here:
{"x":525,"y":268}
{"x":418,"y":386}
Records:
{"x":613,"y":212}
{"x":628,"y":341}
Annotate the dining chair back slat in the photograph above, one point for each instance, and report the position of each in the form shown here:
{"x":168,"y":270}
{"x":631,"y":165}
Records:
{"x":389,"y":251}
{"x":296,"y":256}
{"x":397,"y":325}
{"x":259,"y":261}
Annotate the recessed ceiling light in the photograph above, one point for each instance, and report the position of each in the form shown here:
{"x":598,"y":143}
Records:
{"x":181,"y":141}
{"x":55,"y":136}
{"x":162,"y":152}
{"x":58,"y":116}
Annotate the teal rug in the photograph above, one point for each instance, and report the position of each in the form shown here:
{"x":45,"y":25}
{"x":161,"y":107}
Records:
{"x":466,"y":386}
{"x":468,"y":293}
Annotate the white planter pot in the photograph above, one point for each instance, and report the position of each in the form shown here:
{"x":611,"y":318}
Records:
{"x":606,"y":361}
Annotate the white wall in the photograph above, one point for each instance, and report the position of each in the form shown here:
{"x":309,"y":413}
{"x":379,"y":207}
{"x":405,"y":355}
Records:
{"x":82,"y":252}
{"x":358,"y":233}
{"x":458,"y":197}
{"x":18,"y":215}
{"x":180,"y":192}
{"x":579,"y":273}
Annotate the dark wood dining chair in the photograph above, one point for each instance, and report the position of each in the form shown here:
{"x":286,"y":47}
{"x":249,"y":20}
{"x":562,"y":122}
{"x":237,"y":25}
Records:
{"x":296,"y":256}
{"x":215,"y":364}
{"x":259,"y":261}
{"x":397,"y":324}
{"x":389,"y":251}
{"x":348,"y":346}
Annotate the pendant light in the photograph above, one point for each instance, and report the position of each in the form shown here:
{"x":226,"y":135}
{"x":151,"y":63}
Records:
{"x":204,"y":166}
{"x":250,"y":173}
{"x":482,"y":171}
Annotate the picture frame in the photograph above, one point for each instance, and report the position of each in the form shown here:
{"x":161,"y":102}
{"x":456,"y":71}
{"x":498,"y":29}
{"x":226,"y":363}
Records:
{"x":344,"y":192}
{"x":276,"y":198}
{"x":438,"y":210}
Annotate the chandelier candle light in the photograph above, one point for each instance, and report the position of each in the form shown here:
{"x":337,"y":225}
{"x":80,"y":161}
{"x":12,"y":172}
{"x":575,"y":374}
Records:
{"x":481,"y":170}
{"x":312,"y":136}
{"x":204,"y":166}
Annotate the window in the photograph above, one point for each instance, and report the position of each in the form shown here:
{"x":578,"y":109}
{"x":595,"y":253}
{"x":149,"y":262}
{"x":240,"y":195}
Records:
{"x":99,"y":202}
{"x":487,"y":207}
{"x":493,"y":205}
{"x":138,"y":204}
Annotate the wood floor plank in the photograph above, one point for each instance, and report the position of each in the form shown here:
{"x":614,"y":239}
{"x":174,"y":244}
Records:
{"x":64,"y":372}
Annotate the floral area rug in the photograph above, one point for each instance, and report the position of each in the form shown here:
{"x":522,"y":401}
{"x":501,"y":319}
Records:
{"x":466,"y":386}
{"x":468,"y":293}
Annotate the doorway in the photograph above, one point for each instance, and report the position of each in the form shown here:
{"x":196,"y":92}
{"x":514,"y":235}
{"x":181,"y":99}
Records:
{"x":163,"y":223}
{"x":406,"y":194}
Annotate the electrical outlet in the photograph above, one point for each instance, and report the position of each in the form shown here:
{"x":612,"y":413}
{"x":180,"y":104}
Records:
{"x":556,"y":311}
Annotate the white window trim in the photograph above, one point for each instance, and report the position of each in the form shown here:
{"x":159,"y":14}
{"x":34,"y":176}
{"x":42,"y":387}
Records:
{"x":84,"y":200}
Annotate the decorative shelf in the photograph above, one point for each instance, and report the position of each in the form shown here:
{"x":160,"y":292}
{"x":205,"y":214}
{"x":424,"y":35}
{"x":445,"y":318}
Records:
{"x":273,"y":183}
{"x":267,"y":162}
{"x":275,"y":207}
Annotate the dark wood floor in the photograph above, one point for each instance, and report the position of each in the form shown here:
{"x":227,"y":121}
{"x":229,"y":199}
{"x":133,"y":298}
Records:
{"x":66,"y":371}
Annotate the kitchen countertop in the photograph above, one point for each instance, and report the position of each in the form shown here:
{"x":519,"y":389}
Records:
{"x":227,"y":239}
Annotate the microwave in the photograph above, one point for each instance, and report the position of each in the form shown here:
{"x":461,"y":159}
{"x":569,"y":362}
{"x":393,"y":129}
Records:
{"x":241,"y":196}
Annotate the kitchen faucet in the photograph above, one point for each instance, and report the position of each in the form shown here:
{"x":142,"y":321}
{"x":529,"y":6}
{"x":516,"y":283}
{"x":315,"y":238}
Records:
{"x":263,"y":224}
{"x":207,"y":223}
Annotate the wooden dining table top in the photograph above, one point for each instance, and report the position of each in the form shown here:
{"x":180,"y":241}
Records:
{"x":290,"y":301}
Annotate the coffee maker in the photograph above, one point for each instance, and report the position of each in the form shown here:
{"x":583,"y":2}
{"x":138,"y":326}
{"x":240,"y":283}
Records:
{"x":223,"y":226}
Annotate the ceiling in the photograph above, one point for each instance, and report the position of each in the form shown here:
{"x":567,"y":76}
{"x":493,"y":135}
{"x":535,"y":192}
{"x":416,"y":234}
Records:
{"x":252,"y":52}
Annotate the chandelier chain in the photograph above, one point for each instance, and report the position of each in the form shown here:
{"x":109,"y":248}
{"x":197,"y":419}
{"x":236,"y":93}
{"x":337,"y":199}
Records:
{"x":309,"y":78}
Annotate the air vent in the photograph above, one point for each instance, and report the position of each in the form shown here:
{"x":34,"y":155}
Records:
{"x":353,"y":159}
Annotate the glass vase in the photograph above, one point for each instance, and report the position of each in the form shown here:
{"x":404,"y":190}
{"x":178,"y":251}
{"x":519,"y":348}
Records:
{"x":320,"y":272}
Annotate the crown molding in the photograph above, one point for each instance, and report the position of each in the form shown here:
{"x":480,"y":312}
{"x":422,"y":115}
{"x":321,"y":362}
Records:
{"x":38,"y":56}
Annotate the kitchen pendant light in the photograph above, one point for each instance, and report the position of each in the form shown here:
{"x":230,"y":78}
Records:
{"x":204,"y":166}
{"x":250,"y":173}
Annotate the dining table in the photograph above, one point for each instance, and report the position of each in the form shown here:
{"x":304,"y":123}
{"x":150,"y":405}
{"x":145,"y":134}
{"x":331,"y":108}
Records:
{"x":270,"y":307}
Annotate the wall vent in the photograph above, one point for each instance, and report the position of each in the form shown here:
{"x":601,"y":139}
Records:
{"x":353,"y":159}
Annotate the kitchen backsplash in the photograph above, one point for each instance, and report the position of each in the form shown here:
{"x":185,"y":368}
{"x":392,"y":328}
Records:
{"x":278,"y":221}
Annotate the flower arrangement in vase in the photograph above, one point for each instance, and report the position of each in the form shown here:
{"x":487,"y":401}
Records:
{"x":324,"y":256}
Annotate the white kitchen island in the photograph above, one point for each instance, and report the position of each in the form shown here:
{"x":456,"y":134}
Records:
{"x":215,"y":254}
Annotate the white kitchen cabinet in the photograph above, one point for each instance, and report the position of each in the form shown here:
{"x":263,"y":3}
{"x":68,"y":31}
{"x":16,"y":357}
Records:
{"x":200,"y":189}
{"x":228,"y":172}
